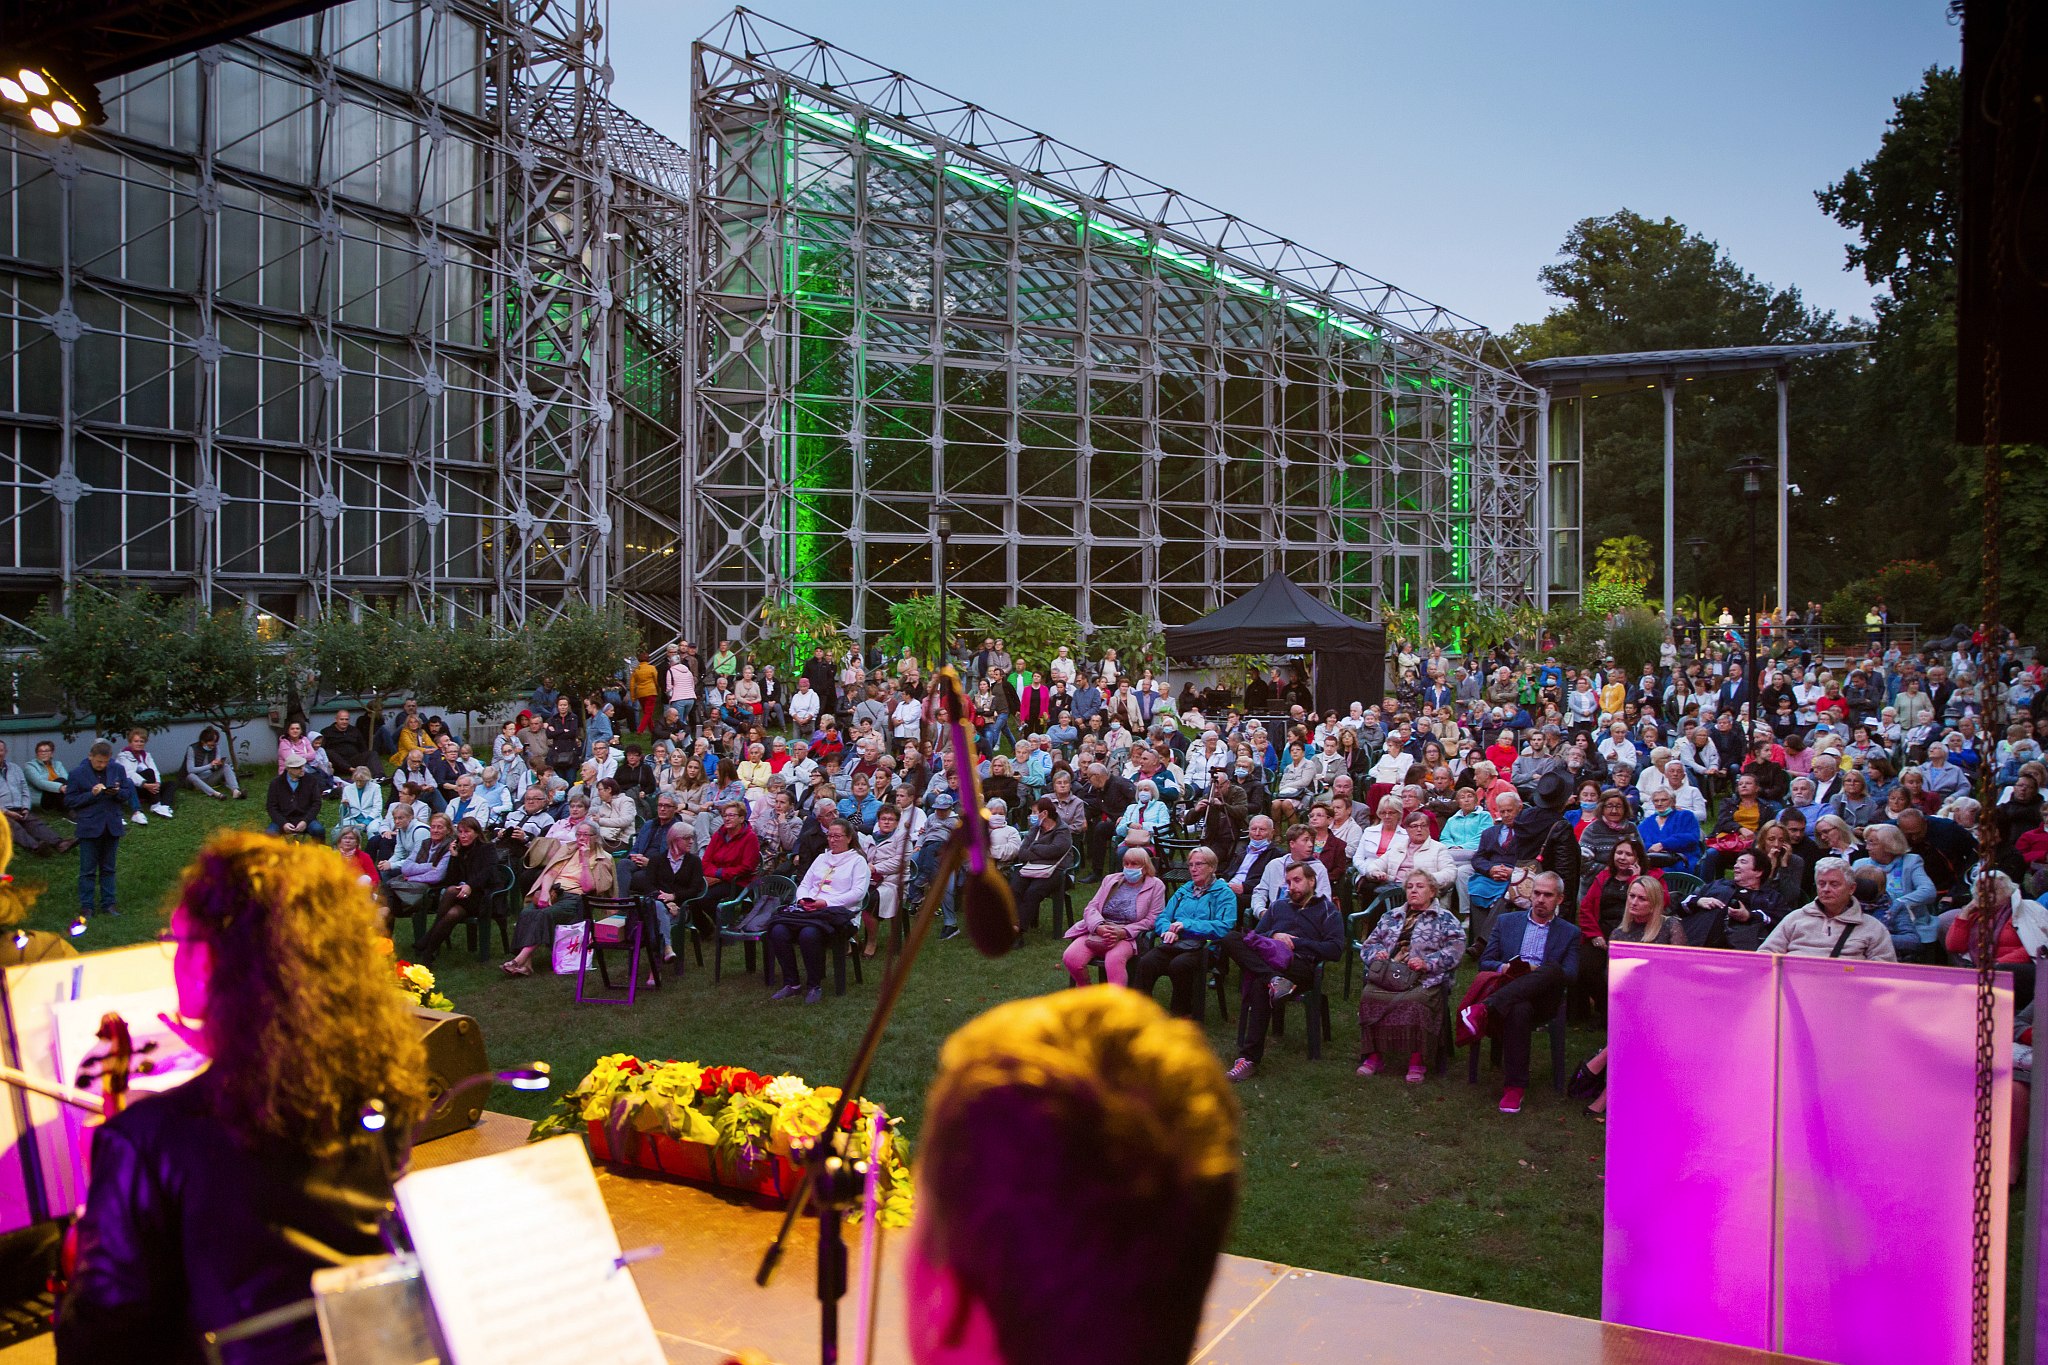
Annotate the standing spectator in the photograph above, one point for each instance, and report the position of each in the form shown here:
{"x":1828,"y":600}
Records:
{"x":206,"y":764}
{"x":646,"y":690}
{"x":805,"y":706}
{"x":293,"y":803}
{"x":47,"y":776}
{"x":145,"y":778}
{"x":565,"y":739}
{"x":29,"y":831}
{"x":96,"y":792}
{"x":1297,"y":931}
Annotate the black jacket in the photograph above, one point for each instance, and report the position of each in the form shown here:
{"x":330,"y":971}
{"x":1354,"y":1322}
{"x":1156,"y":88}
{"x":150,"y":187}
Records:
{"x":347,"y":749}
{"x":1108,"y":801}
{"x":288,"y":807}
{"x":185,"y":1232}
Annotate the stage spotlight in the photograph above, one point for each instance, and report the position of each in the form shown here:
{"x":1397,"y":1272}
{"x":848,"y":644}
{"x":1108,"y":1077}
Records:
{"x":48,"y":98}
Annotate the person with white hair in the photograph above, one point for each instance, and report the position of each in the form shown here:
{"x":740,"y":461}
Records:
{"x":2021,"y":935}
{"x":1940,"y":777}
{"x":1147,"y":810}
{"x":1833,"y":923}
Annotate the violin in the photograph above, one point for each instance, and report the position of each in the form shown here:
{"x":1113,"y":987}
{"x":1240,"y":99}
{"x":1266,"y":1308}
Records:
{"x":110,"y":1067}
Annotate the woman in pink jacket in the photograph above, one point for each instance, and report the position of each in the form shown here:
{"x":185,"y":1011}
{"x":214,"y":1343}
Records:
{"x":1125,"y":906}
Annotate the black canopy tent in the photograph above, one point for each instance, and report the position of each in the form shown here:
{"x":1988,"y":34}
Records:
{"x":1276,"y":617}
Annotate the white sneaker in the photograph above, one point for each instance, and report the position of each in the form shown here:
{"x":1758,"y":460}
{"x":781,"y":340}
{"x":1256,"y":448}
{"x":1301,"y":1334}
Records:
{"x":138,"y":819}
{"x":162,"y":810}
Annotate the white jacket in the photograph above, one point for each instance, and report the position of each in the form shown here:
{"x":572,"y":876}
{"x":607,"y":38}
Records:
{"x":1432,"y":858}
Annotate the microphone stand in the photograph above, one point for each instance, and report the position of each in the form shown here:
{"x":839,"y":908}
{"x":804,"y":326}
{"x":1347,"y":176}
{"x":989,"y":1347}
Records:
{"x":830,"y":1182}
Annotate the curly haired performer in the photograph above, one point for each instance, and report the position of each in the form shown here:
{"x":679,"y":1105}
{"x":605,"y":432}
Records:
{"x":216,"y":1201}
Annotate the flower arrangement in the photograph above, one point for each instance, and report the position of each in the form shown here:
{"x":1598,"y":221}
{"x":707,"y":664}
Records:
{"x":415,"y":980}
{"x":743,"y":1116}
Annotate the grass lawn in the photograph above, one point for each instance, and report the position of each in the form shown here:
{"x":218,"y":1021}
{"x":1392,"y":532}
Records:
{"x":1421,"y":1185}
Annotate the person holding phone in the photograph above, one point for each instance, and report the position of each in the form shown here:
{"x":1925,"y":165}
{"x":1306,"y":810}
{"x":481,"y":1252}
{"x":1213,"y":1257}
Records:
{"x":97,"y":796}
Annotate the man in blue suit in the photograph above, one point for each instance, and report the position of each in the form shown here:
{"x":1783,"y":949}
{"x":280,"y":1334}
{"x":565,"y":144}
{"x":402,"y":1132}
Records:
{"x":97,"y":795}
{"x":1541,"y":948}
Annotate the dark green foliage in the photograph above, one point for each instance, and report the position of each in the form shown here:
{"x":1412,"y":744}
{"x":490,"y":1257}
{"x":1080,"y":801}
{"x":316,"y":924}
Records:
{"x":220,"y":665}
{"x":583,"y":650}
{"x":474,"y":666}
{"x":1634,"y":639}
{"x":370,"y":657}
{"x":110,"y":659}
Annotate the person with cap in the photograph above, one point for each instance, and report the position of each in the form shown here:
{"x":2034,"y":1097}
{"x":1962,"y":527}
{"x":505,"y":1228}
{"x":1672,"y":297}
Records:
{"x":97,"y":795}
{"x":293,"y":802}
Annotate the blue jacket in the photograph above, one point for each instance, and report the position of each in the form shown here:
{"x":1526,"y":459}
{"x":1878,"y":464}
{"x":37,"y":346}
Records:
{"x":1504,"y":945}
{"x":104,"y":816}
{"x":1679,"y":832}
{"x":1210,"y":916}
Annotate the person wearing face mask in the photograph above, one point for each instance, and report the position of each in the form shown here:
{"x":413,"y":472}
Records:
{"x":1004,"y":840}
{"x":1259,"y":853}
{"x":1126,"y":904}
{"x":1035,"y":874}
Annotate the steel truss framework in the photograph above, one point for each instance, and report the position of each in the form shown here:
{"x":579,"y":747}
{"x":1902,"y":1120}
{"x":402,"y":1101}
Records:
{"x":1132,"y":400}
{"x":320,"y":312}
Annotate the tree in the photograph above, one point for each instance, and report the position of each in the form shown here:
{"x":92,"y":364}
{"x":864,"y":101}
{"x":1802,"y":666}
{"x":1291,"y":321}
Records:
{"x":1902,"y":205}
{"x":1624,"y":559}
{"x":369,"y":658}
{"x":914,"y":624}
{"x":474,"y":666}
{"x":1626,"y":282}
{"x":583,"y":650}
{"x":1635,"y":639}
{"x":1139,"y":644}
{"x":1034,"y":634}
{"x":219,"y":666}
{"x":790,"y":630}
{"x":109,"y":658}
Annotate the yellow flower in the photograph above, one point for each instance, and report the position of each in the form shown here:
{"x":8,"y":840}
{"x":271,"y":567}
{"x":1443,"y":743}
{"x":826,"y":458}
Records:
{"x":419,"y":977}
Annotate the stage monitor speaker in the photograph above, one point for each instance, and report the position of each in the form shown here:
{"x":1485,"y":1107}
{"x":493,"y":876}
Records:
{"x":455,"y":1052}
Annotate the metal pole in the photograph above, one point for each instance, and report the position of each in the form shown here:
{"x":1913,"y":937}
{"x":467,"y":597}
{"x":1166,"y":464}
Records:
{"x":1670,"y":503}
{"x":940,"y":662}
{"x":1749,"y":636}
{"x":1784,"y":494}
{"x":1542,"y":584}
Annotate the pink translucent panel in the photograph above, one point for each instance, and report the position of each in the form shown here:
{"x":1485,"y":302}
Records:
{"x":1790,"y":1149}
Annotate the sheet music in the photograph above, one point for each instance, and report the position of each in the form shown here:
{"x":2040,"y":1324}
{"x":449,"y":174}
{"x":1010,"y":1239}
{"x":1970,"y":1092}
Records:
{"x":518,"y":1251}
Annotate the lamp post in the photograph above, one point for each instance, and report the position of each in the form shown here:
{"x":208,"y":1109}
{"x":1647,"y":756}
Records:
{"x":1698,"y":546}
{"x":942,"y":527}
{"x":1750,"y":471}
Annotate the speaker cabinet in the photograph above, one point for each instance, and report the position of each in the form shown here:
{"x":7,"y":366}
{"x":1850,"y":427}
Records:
{"x":455,"y":1052}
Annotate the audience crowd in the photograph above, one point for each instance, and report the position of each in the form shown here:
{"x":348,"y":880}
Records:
{"x":1501,"y":808}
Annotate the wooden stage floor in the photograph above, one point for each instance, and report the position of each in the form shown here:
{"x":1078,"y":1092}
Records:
{"x":702,"y":1298}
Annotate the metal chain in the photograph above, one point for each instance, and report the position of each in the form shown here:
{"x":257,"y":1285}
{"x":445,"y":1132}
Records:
{"x":2004,"y":87}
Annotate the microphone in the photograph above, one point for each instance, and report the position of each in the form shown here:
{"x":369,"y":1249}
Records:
{"x":986,"y":905}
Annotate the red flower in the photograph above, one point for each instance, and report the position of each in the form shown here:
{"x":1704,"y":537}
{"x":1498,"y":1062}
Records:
{"x":743,"y":1082}
{"x":631,"y":1066}
{"x":713,"y":1080}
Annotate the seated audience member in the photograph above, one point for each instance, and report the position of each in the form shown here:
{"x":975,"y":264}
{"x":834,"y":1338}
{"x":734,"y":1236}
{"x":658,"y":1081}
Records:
{"x":145,"y":778}
{"x":1415,"y":849}
{"x":1492,"y":870}
{"x":210,"y":770}
{"x":1299,"y":845}
{"x":1670,"y":836}
{"x":1036,"y":871}
{"x":1296,"y":932}
{"x":1124,"y":906}
{"x":1602,"y":910}
{"x":1258,"y":854}
{"x":46,"y":777}
{"x":2020,"y":933}
{"x":1609,"y":825}
{"x":1833,"y":924}
{"x":830,"y":896}
{"x":732,"y":858}
{"x":348,"y":843}
{"x":24,"y":825}
{"x":671,"y":879}
{"x":889,"y":858}
{"x":399,"y":834}
{"x":409,"y":881}
{"x":1742,"y":907}
{"x":1537,"y":950}
{"x":466,"y":886}
{"x":293,"y":802}
{"x":1906,"y":885}
{"x":1646,"y":918}
{"x":494,"y":798}
{"x":1409,"y":957}
{"x":614,"y":814}
{"x":1068,"y":1095}
{"x":1200,"y":914}
{"x":578,"y":869}
{"x":1145,"y":809}
{"x":362,"y":801}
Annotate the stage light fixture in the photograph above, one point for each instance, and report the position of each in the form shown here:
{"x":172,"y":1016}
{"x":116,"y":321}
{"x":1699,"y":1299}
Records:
{"x":46,"y":97}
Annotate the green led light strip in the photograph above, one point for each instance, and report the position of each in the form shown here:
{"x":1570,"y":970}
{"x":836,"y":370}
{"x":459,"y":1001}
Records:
{"x":1194,"y":265}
